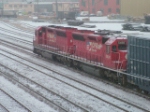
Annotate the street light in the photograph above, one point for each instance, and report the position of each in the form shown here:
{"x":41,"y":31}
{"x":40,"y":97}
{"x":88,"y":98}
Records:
{"x":89,"y":9}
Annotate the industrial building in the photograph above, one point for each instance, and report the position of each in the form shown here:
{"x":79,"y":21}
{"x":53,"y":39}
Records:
{"x":105,"y":6}
{"x":40,"y":6}
{"x":134,"y":8}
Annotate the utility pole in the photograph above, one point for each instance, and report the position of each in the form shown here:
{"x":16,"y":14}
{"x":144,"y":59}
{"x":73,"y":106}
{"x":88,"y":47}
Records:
{"x":2,"y":8}
{"x":37,"y":5}
{"x":89,"y":9}
{"x":56,"y":9}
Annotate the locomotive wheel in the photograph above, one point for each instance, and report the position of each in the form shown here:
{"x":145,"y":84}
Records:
{"x":34,"y":50}
{"x":59,"y":59}
{"x":101,"y":73}
{"x":75,"y":64}
{"x":146,"y":92}
{"x":69,"y":62}
{"x":63,"y":60}
{"x":54,"y":57}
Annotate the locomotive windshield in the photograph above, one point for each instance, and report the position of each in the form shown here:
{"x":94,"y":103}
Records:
{"x":122,"y":45}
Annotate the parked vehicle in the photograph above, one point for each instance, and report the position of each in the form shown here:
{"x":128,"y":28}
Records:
{"x":75,"y":22}
{"x":146,"y":29}
{"x":132,"y":26}
{"x":84,"y":13}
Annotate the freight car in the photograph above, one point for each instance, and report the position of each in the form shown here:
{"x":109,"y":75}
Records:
{"x":139,"y":60}
{"x":8,"y":13}
{"x":101,"y":53}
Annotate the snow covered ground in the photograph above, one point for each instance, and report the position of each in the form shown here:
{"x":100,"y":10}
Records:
{"x":75,"y":95}
{"x":98,"y":19}
{"x":101,"y":26}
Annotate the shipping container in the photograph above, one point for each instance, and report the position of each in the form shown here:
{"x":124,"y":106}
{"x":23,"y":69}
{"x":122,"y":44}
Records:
{"x":139,"y":60}
{"x":147,"y":19}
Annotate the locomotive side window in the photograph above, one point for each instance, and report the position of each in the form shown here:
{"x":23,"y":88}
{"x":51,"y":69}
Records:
{"x":114,"y":48}
{"x":107,"y":49}
{"x":51,"y":31}
{"x":61,"y":34}
{"x":122,"y":46}
{"x":40,"y":33}
{"x":78,"y":37}
{"x":92,"y":38}
{"x":43,"y":29}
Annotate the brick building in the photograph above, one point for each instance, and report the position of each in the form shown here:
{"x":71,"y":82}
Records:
{"x":105,"y":6}
{"x":66,"y":6}
{"x":41,"y":6}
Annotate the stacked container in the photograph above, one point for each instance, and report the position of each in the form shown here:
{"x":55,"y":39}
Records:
{"x":139,"y":60}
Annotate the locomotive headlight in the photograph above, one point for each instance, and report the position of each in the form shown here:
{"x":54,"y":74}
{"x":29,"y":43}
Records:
{"x":126,"y":57}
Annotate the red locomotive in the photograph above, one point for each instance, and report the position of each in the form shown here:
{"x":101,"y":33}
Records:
{"x":98,"y":53}
{"x":82,"y":48}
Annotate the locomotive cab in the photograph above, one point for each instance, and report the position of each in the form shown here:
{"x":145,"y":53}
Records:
{"x":39,"y":32}
{"x":116,"y":53}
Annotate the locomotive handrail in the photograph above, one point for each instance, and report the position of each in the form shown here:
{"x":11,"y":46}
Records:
{"x":122,"y":64}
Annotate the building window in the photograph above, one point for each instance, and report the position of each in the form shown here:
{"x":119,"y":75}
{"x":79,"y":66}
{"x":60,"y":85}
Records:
{"x":102,"y":10}
{"x":105,"y":2}
{"x":25,"y":5}
{"x":117,"y":2}
{"x":20,"y":6}
{"x":10,"y":5}
{"x":60,"y":5}
{"x":117,"y":10}
{"x":15,"y":6}
{"x":93,"y":10}
{"x":109,"y":10}
{"x":83,"y":3}
{"x":93,"y":2}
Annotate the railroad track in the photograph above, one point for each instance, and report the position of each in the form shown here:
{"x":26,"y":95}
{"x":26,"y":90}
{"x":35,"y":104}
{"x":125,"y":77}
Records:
{"x":83,"y":83}
{"x":24,"y":44}
{"x":16,"y":28}
{"x":52,"y":98}
{"x":3,"y":109}
{"x":30,"y":52}
{"x":16,"y":38}
{"x":30,"y":26}
{"x":17,"y":33}
{"x":17,"y":108}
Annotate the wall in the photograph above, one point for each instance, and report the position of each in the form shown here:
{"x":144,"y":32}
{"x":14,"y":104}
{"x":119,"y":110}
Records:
{"x":66,"y":6}
{"x":106,"y":6}
{"x":19,"y":7}
{"x":135,"y":7}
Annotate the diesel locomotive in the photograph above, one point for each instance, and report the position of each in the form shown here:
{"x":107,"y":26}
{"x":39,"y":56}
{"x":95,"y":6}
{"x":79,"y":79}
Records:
{"x":104,"y":53}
